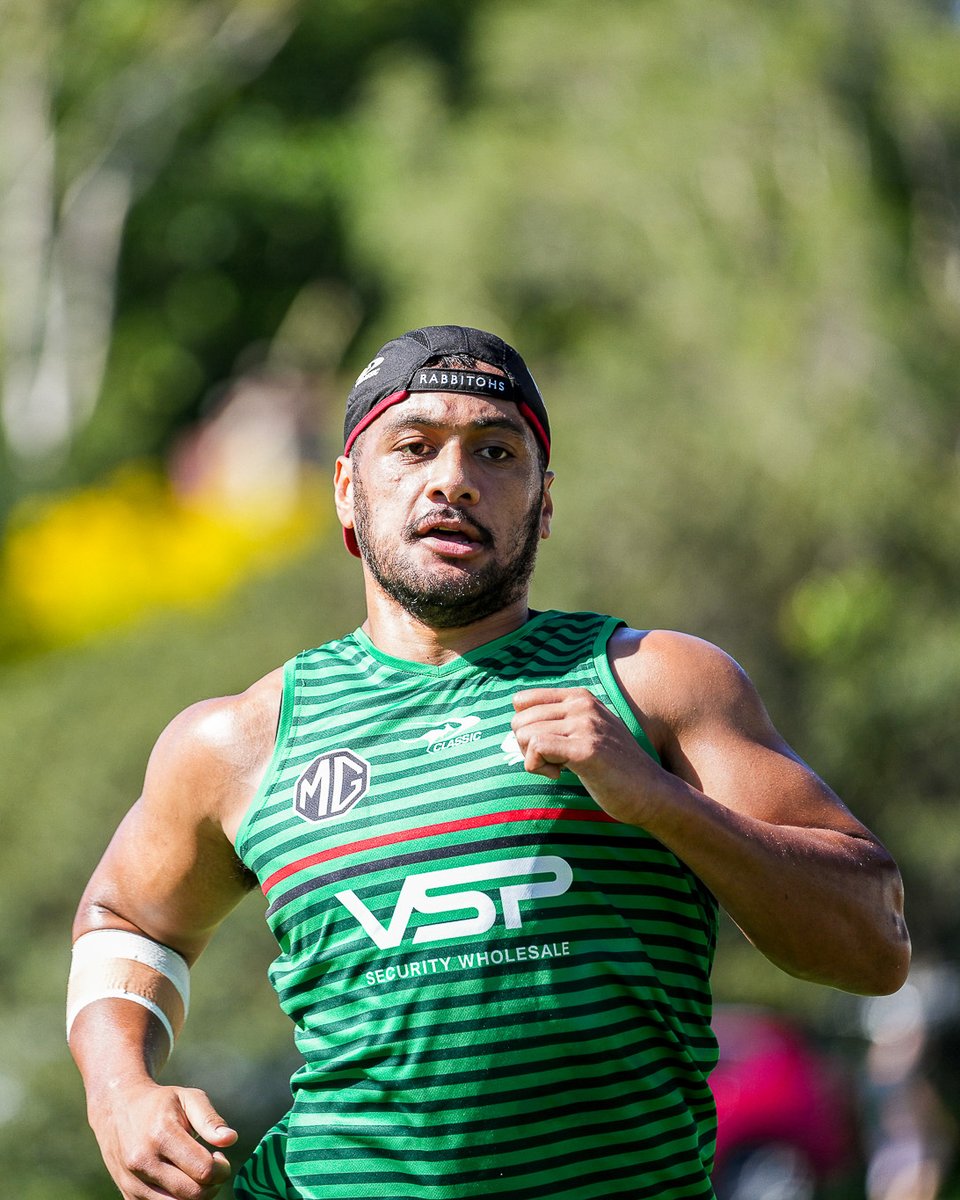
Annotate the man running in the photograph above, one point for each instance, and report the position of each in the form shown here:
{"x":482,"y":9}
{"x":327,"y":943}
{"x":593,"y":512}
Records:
{"x":492,"y":843}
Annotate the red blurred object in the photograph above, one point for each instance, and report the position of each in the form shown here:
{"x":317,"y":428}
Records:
{"x":784,"y":1109}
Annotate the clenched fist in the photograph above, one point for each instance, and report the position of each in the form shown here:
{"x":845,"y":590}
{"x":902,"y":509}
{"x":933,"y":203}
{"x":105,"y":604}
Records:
{"x":571,"y":728}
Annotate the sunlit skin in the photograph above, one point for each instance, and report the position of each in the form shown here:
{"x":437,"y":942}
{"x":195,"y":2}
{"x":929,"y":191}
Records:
{"x":449,"y":493}
{"x":451,"y":496}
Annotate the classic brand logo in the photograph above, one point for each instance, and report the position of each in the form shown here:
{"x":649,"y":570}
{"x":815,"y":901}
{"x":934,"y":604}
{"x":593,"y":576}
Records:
{"x":415,"y":896}
{"x":331,"y":785}
{"x":453,"y":732}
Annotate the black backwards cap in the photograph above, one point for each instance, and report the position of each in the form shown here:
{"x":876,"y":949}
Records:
{"x":399,"y":369}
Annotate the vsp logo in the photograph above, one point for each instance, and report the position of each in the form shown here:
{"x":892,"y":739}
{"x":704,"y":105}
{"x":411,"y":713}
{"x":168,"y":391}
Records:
{"x":332,"y":784}
{"x":416,"y":895}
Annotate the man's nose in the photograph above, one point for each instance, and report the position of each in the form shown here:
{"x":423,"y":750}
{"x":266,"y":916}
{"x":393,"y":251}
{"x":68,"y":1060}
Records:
{"x":452,"y":479}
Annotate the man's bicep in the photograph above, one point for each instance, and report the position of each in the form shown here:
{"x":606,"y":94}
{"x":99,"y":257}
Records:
{"x":764,"y":781}
{"x":169,"y":871}
{"x":723,"y":742}
{"x":166,"y":884}
{"x":739,"y":759}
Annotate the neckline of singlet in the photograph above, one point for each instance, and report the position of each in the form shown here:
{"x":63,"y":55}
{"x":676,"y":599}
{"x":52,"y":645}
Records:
{"x":462,"y":662}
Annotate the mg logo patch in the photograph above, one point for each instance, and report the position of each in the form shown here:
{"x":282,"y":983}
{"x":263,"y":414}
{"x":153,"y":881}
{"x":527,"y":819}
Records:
{"x":331,"y":785}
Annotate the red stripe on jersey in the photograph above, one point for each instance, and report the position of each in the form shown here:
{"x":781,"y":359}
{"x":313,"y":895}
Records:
{"x":409,"y":835}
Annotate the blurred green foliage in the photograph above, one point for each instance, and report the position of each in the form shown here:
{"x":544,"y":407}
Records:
{"x":726,"y":239}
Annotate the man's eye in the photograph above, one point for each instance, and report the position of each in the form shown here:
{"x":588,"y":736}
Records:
{"x":415,"y":449}
{"x":496,"y":453}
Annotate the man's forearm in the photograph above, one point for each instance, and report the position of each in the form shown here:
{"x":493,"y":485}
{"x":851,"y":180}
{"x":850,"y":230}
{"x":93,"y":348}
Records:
{"x":822,"y":904}
{"x":147,"y":1132}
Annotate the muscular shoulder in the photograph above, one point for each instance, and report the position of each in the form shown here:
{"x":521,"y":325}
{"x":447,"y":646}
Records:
{"x":212,"y":756}
{"x":683,"y":686}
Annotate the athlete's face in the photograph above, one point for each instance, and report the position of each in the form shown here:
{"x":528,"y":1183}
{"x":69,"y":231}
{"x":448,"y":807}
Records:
{"x":448,"y":502}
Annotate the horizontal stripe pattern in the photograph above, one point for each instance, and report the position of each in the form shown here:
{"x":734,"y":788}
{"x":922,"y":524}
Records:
{"x":404,"y":835}
{"x":498,"y":990}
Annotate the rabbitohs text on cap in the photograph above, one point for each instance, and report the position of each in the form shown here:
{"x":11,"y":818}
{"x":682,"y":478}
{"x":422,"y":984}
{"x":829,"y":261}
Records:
{"x":401,"y":367}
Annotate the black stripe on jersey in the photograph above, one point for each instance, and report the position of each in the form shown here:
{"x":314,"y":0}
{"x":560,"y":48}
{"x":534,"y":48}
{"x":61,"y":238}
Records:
{"x":451,"y":851}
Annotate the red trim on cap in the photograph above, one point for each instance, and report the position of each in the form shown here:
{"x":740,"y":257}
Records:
{"x":350,"y":541}
{"x":533,"y":421}
{"x":380,"y":407}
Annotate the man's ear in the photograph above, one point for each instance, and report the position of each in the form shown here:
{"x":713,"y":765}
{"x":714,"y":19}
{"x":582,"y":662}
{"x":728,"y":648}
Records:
{"x":343,"y":490}
{"x":546,"y":511}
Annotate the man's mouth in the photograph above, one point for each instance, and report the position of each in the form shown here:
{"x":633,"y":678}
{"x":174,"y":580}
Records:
{"x":453,"y":536}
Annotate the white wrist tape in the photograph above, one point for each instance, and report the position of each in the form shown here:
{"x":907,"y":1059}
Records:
{"x":112,"y":963}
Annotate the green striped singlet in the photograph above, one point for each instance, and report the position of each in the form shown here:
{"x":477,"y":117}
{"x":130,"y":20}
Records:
{"x":498,"y":990}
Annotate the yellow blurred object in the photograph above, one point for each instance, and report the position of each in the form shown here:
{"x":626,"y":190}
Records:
{"x":80,"y":564}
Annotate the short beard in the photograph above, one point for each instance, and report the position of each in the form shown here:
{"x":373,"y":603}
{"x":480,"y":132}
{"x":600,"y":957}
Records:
{"x":454,"y":602}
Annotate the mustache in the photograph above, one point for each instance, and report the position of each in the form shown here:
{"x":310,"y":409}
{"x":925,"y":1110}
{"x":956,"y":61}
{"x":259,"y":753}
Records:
{"x":445,"y":512}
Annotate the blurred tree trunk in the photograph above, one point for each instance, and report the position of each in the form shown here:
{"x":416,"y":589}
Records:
{"x":70,"y":173}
